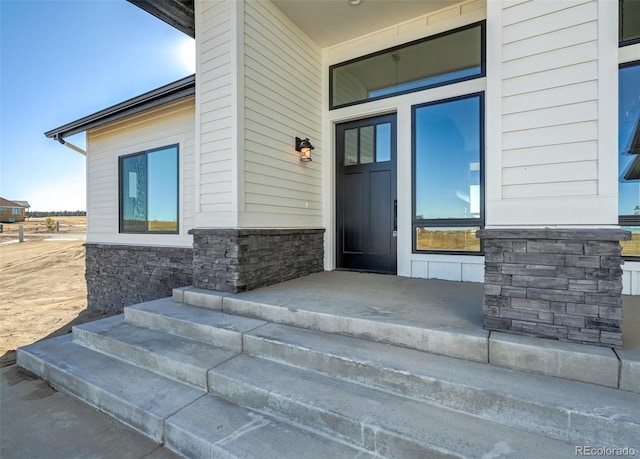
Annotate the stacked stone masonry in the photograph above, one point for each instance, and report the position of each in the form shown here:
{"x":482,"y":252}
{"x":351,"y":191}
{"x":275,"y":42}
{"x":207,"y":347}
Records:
{"x":121,"y":275}
{"x":559,"y":284}
{"x":238,"y":260}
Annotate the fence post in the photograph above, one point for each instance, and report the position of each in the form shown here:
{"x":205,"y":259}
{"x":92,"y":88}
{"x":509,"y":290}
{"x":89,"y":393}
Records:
{"x":20,"y":233}
{"x":57,"y":227}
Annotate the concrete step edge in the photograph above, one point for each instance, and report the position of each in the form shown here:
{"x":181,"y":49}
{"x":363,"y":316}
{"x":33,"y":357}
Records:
{"x":213,"y":425}
{"x":64,"y":374}
{"x":590,"y":364}
{"x":364,"y":416}
{"x":194,"y":323}
{"x":490,"y":393}
{"x":450,"y":342}
{"x":152,"y":356}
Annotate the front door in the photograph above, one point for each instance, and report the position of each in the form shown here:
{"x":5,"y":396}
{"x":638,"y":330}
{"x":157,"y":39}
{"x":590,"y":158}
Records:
{"x":366,"y":220}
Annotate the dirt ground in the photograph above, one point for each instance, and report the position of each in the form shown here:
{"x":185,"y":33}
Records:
{"x":42,"y":283}
{"x":39,"y":225}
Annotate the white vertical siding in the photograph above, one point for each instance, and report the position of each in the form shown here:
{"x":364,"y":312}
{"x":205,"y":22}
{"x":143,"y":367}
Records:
{"x":165,"y":125}
{"x":282,"y":100}
{"x":215,"y":149}
{"x":553,"y":154}
{"x":631,"y":278}
{"x":463,"y":268}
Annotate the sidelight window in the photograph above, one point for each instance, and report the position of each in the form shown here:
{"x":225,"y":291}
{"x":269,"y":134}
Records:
{"x":448,"y":180}
{"x":629,"y":155}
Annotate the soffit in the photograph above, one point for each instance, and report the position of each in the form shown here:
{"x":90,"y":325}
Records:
{"x":176,"y":13}
{"x":329,"y":22}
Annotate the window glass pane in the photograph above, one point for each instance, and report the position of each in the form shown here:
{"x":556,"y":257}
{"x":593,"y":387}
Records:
{"x":629,"y":20}
{"x":383,"y":142}
{"x":447,"y":160}
{"x":452,"y":239}
{"x":632,"y":247}
{"x":134,"y":193}
{"x":456,"y":55}
{"x":629,"y":141}
{"x":351,"y":147}
{"x":366,"y":144}
{"x":163,"y":190}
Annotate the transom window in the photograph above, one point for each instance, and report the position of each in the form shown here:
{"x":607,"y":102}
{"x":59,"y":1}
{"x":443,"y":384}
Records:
{"x":448,"y":204}
{"x":629,"y":23}
{"x":149,"y":191}
{"x":445,"y":58}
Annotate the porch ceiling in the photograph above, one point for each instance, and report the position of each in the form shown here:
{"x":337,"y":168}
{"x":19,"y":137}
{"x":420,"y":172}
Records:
{"x":329,"y":22}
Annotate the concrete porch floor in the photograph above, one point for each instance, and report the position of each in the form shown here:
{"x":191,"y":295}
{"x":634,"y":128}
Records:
{"x":452,"y":310}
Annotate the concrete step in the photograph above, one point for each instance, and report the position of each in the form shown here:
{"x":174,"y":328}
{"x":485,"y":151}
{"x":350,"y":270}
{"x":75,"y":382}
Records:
{"x":590,"y":364}
{"x":174,"y":357}
{"x":137,"y":397}
{"x":554,"y":407}
{"x":379,"y":422}
{"x":469,"y":344}
{"x":211,"y":427}
{"x":195,"y":323}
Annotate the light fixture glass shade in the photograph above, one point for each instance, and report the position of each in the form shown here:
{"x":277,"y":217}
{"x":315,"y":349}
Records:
{"x":304,"y":147}
{"x":305,"y":154}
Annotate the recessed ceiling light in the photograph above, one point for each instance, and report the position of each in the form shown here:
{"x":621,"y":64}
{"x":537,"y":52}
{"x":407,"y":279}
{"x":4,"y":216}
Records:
{"x":355,"y":2}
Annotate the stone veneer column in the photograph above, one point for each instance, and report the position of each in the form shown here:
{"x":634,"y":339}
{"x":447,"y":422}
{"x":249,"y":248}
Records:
{"x":237,"y":260}
{"x":564,"y":284}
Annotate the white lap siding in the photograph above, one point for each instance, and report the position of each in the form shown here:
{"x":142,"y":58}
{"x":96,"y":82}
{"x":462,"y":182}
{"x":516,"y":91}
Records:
{"x":166,"y":125}
{"x":552,"y":81}
{"x":216,"y":115}
{"x":282,"y":100}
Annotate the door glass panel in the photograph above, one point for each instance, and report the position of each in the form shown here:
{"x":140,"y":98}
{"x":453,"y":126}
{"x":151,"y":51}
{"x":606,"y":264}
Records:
{"x":366,"y":144}
{"x":351,"y":147}
{"x":383,"y":142}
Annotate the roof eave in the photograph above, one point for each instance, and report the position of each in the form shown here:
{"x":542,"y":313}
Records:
{"x":178,"y":89}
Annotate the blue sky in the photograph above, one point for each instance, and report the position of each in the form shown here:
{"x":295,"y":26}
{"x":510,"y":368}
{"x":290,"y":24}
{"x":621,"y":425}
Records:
{"x":60,"y":61}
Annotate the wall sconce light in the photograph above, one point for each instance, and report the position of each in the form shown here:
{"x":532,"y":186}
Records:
{"x":304,"y":147}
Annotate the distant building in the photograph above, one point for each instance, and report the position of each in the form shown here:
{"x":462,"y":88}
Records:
{"x":13,"y":211}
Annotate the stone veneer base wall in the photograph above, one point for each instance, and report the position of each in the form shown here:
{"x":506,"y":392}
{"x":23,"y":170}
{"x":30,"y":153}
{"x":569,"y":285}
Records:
{"x":564,"y":284}
{"x":237,"y":260}
{"x":122,"y":275}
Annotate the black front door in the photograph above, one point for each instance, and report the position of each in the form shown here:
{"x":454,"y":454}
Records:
{"x":366,"y":220}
